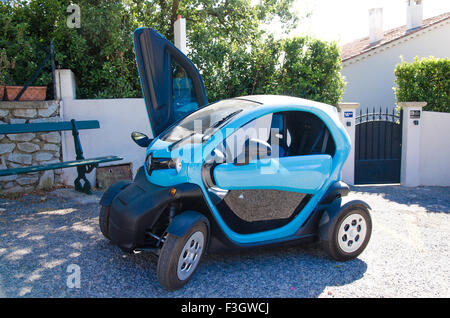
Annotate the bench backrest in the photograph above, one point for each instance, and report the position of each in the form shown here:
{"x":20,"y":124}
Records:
{"x":47,"y":127}
{"x":72,"y":125}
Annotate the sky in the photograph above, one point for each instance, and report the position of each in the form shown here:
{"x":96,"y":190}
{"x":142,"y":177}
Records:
{"x":348,"y":20}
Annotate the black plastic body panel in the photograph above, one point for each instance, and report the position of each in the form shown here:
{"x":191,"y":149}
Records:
{"x":138,"y":207}
{"x":182,"y":222}
{"x":336,"y":190}
{"x":112,"y":191}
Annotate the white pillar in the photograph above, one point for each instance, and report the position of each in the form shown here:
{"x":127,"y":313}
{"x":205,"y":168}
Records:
{"x":180,"y":34}
{"x":65,"y":84}
{"x":347,"y":115}
{"x":412,"y":114}
{"x":65,"y":91}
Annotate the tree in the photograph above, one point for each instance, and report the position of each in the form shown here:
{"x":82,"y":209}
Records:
{"x":311,"y":69}
{"x":234,"y":55}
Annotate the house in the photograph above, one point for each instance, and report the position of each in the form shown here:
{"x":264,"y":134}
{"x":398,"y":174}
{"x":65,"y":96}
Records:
{"x":368,"y":63}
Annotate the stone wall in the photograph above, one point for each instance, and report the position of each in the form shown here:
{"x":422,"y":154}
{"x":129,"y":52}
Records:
{"x":29,"y":149}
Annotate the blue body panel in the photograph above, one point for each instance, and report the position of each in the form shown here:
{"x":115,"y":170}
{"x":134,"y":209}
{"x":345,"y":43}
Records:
{"x":304,"y":174}
{"x":323,"y":170}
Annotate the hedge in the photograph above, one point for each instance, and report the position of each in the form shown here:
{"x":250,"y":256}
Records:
{"x":424,"y":80}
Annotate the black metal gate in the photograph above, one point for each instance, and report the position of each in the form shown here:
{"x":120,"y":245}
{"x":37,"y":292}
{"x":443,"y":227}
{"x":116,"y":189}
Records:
{"x":378,"y":147}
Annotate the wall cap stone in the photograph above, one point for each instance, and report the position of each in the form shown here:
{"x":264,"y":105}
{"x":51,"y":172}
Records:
{"x":412,"y":104}
{"x":44,"y":104}
{"x":348,"y":105}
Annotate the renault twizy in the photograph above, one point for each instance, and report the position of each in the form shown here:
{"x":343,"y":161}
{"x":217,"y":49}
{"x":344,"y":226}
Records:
{"x":239,"y":173}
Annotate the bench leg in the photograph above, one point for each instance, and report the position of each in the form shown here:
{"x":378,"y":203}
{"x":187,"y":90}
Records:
{"x":86,"y":186}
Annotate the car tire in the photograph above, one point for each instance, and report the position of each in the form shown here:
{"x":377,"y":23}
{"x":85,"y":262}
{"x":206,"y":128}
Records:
{"x":103,"y":221}
{"x":350,"y":234}
{"x":179,"y":257}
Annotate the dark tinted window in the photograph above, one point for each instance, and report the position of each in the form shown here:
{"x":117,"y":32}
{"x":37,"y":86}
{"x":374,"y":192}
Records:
{"x":304,"y":134}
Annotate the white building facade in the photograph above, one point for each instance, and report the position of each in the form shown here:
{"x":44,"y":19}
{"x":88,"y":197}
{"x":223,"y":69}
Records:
{"x":369,"y":63}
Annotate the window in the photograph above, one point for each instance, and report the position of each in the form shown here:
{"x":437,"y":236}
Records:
{"x":293,"y":133}
{"x":203,"y":123}
{"x":257,"y":131}
{"x":183,"y":95}
{"x":306,"y":134}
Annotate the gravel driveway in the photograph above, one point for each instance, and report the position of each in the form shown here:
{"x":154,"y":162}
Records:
{"x":408,"y":255}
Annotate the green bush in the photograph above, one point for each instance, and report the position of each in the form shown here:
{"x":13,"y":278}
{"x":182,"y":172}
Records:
{"x":425,"y":80}
{"x":226,"y":43}
{"x":300,"y":66}
{"x":311,"y":69}
{"x":100,"y":53}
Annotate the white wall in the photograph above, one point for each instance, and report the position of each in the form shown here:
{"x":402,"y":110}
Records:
{"x":435,"y":149}
{"x":370,"y":80}
{"x":118,"y":119}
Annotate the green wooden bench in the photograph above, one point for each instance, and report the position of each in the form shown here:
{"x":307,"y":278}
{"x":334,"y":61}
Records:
{"x":83,"y":165}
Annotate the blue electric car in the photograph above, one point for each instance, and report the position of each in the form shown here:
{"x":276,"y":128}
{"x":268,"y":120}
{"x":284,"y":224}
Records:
{"x":235,"y":174}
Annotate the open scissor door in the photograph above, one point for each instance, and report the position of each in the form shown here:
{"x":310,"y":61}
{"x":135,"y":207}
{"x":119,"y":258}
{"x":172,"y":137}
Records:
{"x":171,"y":84}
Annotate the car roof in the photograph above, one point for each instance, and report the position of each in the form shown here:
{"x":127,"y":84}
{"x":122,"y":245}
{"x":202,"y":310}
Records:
{"x":282,"y":100}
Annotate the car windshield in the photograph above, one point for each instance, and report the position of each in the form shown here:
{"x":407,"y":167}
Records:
{"x":200,"y":125}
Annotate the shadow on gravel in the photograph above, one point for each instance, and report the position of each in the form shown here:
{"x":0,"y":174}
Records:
{"x":301,"y":271}
{"x":433,"y":199}
{"x":41,"y":241}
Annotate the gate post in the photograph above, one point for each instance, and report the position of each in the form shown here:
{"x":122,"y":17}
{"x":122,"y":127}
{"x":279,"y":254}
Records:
{"x":347,"y":114}
{"x":411,"y":124}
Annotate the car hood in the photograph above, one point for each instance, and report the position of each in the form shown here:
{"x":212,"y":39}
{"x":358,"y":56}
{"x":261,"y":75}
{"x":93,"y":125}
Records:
{"x":189,"y":153}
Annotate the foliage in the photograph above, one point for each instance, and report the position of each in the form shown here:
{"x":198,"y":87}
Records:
{"x":233,"y":54}
{"x":299,"y":66}
{"x":5,"y":67}
{"x":311,"y":69}
{"x":100,"y":53}
{"x":425,"y":80}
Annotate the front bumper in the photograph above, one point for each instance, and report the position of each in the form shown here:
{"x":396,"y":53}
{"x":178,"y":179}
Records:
{"x":137,"y":207}
{"x":134,"y":209}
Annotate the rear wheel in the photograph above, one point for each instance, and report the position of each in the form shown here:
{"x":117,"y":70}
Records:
{"x":350,"y":234}
{"x":103,"y":220}
{"x":180,"y":256}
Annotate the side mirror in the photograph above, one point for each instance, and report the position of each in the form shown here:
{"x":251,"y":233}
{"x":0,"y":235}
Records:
{"x":141,"y":139}
{"x":254,"y":149}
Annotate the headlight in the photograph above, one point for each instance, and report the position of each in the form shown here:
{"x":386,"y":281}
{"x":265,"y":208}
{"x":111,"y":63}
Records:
{"x":178,"y":165}
{"x":152,"y":164}
{"x":175,"y":163}
{"x":148,"y":163}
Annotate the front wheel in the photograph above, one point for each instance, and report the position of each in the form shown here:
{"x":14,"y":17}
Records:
{"x":180,"y":256}
{"x":350,"y":234}
{"x":103,"y":221}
